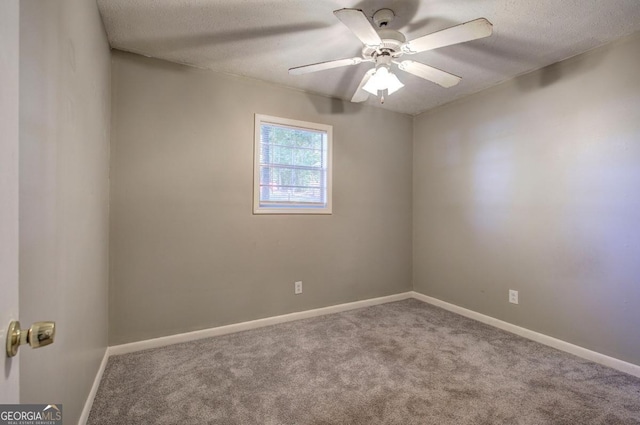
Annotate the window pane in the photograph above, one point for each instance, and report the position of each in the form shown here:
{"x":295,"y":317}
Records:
{"x":292,"y":136}
{"x":292,"y":166}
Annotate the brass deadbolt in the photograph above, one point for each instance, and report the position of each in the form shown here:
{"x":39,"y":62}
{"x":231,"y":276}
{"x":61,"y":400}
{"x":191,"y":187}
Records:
{"x":38,"y":335}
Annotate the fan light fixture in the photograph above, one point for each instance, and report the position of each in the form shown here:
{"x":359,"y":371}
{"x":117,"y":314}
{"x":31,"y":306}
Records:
{"x":383,"y":79}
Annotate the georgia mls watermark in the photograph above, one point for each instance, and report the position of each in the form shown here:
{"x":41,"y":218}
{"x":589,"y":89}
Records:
{"x":30,"y":414}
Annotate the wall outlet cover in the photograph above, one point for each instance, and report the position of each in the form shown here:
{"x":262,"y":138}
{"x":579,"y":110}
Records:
{"x":513,"y":296}
{"x":297,"y":288}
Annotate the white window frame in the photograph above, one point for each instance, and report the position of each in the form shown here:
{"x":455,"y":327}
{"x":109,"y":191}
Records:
{"x":259,"y":120}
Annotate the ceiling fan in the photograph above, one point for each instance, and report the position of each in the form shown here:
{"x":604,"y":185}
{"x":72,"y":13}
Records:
{"x":384,"y":47}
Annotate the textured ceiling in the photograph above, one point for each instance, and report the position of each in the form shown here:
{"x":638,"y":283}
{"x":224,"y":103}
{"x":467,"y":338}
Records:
{"x":263,"y":38}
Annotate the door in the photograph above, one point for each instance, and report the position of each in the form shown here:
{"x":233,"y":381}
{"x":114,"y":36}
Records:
{"x":9,"y":122}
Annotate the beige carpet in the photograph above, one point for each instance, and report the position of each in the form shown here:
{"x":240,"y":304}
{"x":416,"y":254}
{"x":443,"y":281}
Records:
{"x":399,"y":363}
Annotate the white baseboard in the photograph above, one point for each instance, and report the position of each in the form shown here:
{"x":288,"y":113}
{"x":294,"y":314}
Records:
{"x":593,"y":356}
{"x":223,"y":330}
{"x":559,"y":344}
{"x":253,"y":324}
{"x":84,"y":416}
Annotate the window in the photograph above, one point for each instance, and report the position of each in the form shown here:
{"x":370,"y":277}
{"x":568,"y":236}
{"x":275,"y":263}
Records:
{"x":292,"y":167}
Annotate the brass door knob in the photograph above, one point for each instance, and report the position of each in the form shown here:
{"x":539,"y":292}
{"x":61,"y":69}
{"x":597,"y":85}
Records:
{"x":38,"y":335}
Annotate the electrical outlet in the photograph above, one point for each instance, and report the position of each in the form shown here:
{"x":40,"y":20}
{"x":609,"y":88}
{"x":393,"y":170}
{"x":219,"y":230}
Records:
{"x":297,"y":288}
{"x":513,"y":296}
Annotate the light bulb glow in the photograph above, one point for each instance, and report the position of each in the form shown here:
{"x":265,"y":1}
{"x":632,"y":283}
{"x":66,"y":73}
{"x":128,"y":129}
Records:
{"x":383,"y":79}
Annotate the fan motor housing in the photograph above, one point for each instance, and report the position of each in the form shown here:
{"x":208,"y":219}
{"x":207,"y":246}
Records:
{"x":391,"y":39}
{"x":392,"y":42}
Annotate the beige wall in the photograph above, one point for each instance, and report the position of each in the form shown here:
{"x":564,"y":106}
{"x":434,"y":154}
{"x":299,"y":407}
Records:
{"x":186,"y":251}
{"x":64,"y":193}
{"x":534,"y":185}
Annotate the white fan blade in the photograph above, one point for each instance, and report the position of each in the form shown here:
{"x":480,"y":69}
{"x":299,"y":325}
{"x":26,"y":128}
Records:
{"x":361,"y":95}
{"x":473,"y":30}
{"x":358,"y":23}
{"x":430,"y":73}
{"x":321,"y":66}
